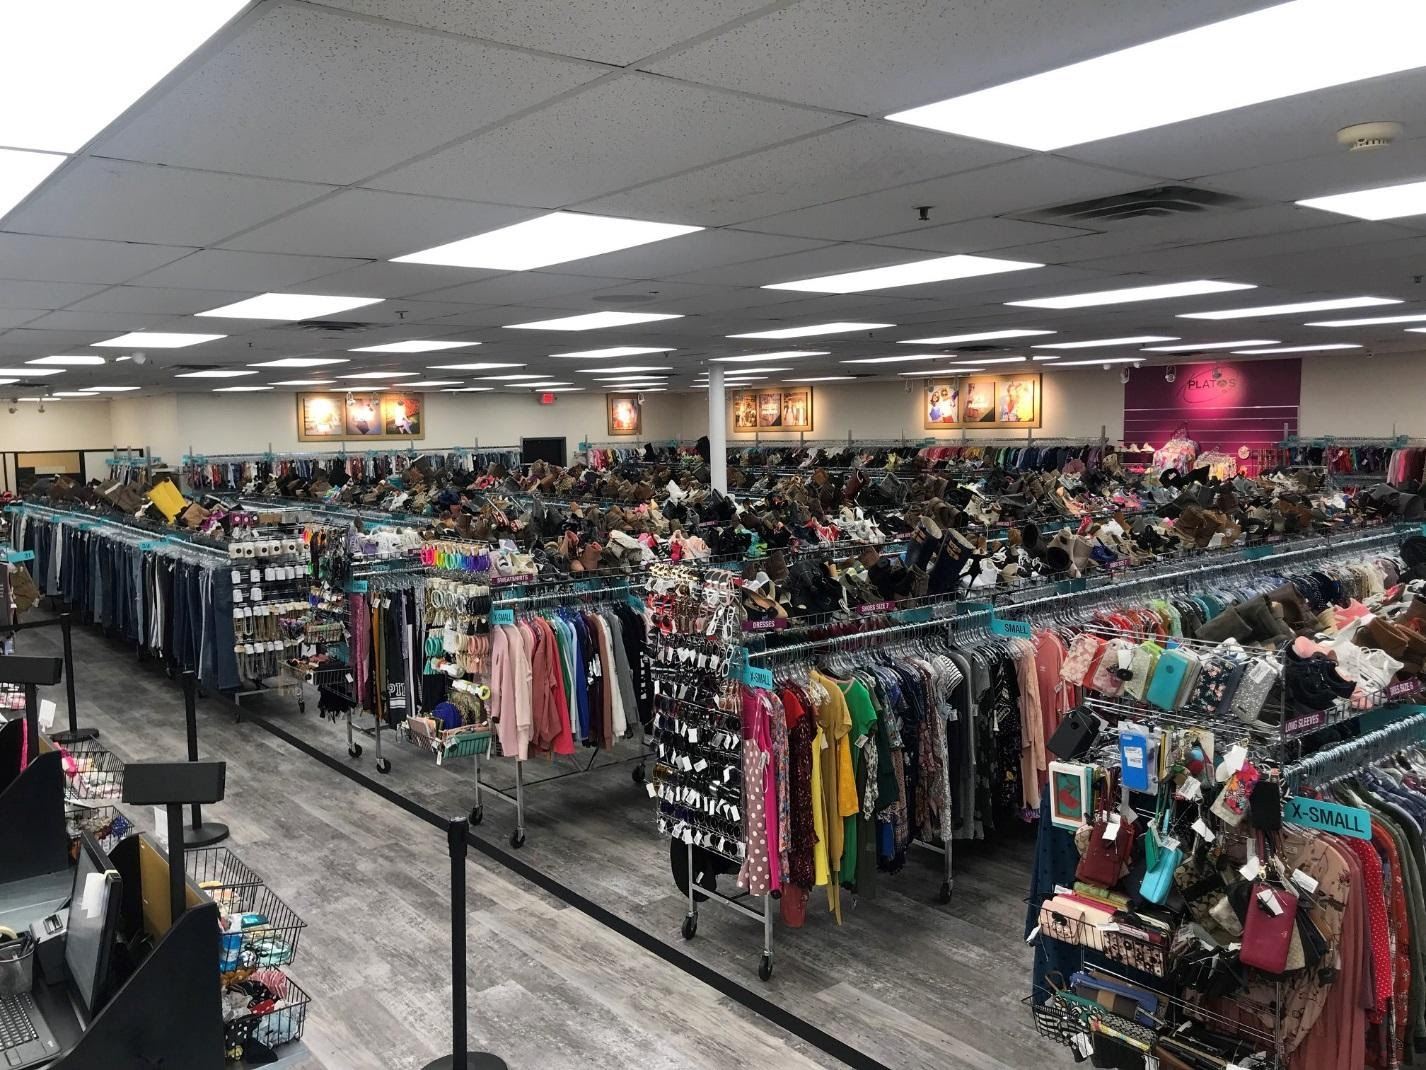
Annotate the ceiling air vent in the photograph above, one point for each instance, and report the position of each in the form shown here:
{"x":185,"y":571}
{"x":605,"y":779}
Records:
{"x":1154,"y":202}
{"x":625,"y":299}
{"x":979,"y":347}
{"x":338,"y":326}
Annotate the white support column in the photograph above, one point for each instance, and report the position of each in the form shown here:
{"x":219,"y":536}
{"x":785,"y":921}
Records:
{"x":717,"y":429}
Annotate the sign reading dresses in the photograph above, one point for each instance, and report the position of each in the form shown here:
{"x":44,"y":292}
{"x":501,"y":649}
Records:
{"x":1223,"y":405}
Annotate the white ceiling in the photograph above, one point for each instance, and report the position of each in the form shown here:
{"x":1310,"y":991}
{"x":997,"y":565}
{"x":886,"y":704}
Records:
{"x":312,"y":142}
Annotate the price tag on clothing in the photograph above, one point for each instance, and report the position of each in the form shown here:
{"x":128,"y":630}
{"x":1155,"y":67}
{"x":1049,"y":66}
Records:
{"x":1190,"y":789}
{"x":1251,"y":870}
{"x":47,"y":710}
{"x":1233,"y":760}
{"x":1204,"y":831}
{"x":1111,"y":828}
{"x":1084,"y":1045}
{"x":1304,"y":881}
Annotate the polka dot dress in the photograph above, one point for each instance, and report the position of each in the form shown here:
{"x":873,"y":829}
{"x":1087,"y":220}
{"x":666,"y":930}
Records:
{"x":756,"y":874}
{"x":1380,"y":934}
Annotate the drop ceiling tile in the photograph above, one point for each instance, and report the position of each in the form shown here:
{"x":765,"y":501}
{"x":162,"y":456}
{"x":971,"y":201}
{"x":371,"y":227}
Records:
{"x":689,"y":252}
{"x":45,"y":342}
{"x":385,"y":279}
{"x":615,"y":31}
{"x":1330,"y":171}
{"x":114,"y":322}
{"x":15,"y":317}
{"x":851,"y":159}
{"x":976,"y":235}
{"x":621,"y":132}
{"x":522,"y":286}
{"x":872,"y":58}
{"x":38,"y":258}
{"x":228,"y":269}
{"x":1010,"y":188}
{"x":15,"y":293}
{"x":121,"y":201}
{"x":374,"y":224}
{"x":165,"y":300}
{"x":821,"y":260}
{"x":307,"y":93}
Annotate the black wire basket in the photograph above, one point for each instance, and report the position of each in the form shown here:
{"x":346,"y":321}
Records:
{"x":92,"y":773}
{"x":104,"y":823}
{"x":270,"y":933}
{"x":281,"y":1023}
{"x":214,"y":868}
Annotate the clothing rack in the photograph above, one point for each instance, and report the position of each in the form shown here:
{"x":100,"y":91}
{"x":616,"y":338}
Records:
{"x":1344,"y":760}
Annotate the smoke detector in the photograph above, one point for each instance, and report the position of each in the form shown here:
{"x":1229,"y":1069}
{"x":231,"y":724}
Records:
{"x":1361,"y":136}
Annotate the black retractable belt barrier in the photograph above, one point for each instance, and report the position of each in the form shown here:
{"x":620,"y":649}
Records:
{"x":200,"y":833}
{"x":64,"y":622}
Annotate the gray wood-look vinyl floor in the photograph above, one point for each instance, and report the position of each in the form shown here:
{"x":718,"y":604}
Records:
{"x":910,"y":983}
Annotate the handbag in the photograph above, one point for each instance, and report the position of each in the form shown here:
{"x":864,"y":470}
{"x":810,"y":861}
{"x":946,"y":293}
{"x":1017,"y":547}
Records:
{"x":1117,"y":997}
{"x":1267,"y":935}
{"x":1105,"y":861}
{"x":1174,"y":674}
{"x":1162,"y":861}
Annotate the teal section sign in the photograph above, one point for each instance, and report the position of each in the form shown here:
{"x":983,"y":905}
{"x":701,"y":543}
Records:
{"x":1329,"y":817}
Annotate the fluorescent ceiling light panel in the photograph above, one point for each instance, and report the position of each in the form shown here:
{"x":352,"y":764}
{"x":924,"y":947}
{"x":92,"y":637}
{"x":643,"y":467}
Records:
{"x":160,"y":339}
{"x":113,"y":389}
{"x":980,"y":336}
{"x":625,"y":369}
{"x":733,"y":374}
{"x":75,"y":394}
{"x":556,"y":238}
{"x":1000,"y":360}
{"x":375,"y":375}
{"x":1047,"y":356}
{"x":1383,"y":202}
{"x":239,"y":389}
{"x":512,"y":377}
{"x":28,"y":372}
{"x":1369,"y":321}
{"x":300,"y":362}
{"x":814,"y":330}
{"x":565,"y":389}
{"x":753,"y":358}
{"x":1105,"y":360}
{"x":7,"y":382}
{"x":1211,"y":345}
{"x":470,"y":390}
{"x":21,"y":172}
{"x":1159,"y":292}
{"x":593,"y":321}
{"x":615,"y":351}
{"x":1132,"y":340}
{"x":1300,"y":349}
{"x":289,"y":307}
{"x":1283,"y":310}
{"x":1277,"y":52}
{"x":481,"y":366}
{"x":734,"y":382}
{"x":413,"y":346}
{"x":823,"y":379}
{"x":214,"y":373}
{"x":304,"y":382}
{"x":896,"y":360}
{"x":81,"y":360}
{"x":634,"y":382}
{"x":423,"y":384}
{"x":914,"y":273}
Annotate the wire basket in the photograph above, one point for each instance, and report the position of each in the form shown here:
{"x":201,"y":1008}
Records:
{"x":1054,"y":1021}
{"x":104,"y":823}
{"x":213,"y":868}
{"x":280,"y":1023}
{"x":271,"y":939}
{"x":91,"y":772}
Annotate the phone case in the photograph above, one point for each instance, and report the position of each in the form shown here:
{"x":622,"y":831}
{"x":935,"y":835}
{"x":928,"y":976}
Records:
{"x":1174,"y":674}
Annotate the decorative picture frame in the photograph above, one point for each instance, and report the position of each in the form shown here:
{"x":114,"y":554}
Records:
{"x":983,"y":401}
{"x":626,"y":415}
{"x":772,"y":410}
{"x":360,"y":416}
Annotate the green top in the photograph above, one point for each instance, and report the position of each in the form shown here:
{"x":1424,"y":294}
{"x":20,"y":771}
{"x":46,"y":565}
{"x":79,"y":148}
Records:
{"x":864,"y":720}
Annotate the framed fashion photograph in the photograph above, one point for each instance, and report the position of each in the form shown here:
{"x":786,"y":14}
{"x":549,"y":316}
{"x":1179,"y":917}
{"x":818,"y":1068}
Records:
{"x":626,"y":416}
{"x":363,"y":418}
{"x":402,"y":416}
{"x":773,"y":410}
{"x":797,"y":410}
{"x":770,"y":410}
{"x":942,"y":406}
{"x":321,"y":417}
{"x":745,"y":412}
{"x":1018,"y":401}
{"x":979,"y":404}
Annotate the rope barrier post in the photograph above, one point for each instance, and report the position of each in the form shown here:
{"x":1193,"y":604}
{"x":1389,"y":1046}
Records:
{"x":457,"y":832}
{"x":199,"y":833}
{"x":75,"y":733}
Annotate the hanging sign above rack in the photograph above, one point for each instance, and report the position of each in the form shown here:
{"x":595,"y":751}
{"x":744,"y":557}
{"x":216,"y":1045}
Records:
{"x":1328,"y":816}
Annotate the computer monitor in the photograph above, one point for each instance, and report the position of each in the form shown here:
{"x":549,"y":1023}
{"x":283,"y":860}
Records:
{"x":93,"y":927}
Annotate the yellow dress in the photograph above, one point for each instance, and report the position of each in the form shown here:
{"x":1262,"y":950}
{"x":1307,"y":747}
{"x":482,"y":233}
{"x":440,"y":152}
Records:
{"x":819,"y":819}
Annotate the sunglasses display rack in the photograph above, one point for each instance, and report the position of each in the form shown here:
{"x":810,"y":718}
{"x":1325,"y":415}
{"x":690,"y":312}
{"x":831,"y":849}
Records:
{"x":1118,"y":966}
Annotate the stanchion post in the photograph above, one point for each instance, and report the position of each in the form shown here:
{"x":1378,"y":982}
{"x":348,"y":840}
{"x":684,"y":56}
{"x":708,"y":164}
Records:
{"x":199,"y":833}
{"x":74,"y":734}
{"x":461,"y":1058}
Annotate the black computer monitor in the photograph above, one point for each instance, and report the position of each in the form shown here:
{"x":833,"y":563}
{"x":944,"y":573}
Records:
{"x":89,"y":943}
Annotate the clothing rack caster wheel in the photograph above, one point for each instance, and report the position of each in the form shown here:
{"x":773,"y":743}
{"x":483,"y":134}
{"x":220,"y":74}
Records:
{"x":944,"y":895}
{"x":301,"y":705}
{"x":477,"y":814}
{"x":354,"y":750}
{"x":765,"y":967}
{"x":383,"y":765}
{"x":640,"y":774}
{"x":517,"y":838}
{"x":690,"y":926}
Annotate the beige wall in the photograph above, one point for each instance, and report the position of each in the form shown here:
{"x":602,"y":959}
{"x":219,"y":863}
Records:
{"x":66,"y":424}
{"x":1364,"y":396}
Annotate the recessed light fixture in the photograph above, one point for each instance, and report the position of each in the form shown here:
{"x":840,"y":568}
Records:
{"x":1283,"y":310}
{"x":822,"y":379}
{"x":1300,"y":349}
{"x":480,"y":366}
{"x":734,"y":382}
{"x":981,"y":336}
{"x":417,"y":345}
{"x":895,"y":360}
{"x":1046,"y":356}
{"x":71,"y":48}
{"x":429,"y":384}
{"x":1194,"y":348}
{"x":289,"y":307}
{"x":160,"y":339}
{"x":29,"y":372}
{"x":556,"y":238}
{"x":113,"y":389}
{"x":959,"y":368}
{"x":742,"y":373}
{"x":593,"y":321}
{"x":21,"y":172}
{"x":1102,"y":360}
{"x":1383,"y":202}
{"x":239,"y":389}
{"x":7,"y":382}
{"x":566,"y":390}
{"x":82,"y":360}
{"x":813,"y":330}
{"x":914,"y":273}
{"x":1369,"y":321}
{"x":1131,"y":340}
{"x":536,"y":386}
{"x":513,"y":377}
{"x":626,"y":368}
{"x":304,"y":382}
{"x":300,"y":362}
{"x":375,"y":375}
{"x":753,"y":358}
{"x":1087,"y":101}
{"x":215,"y":373}
{"x":1159,"y":292}
{"x":75,"y":394}
{"x":126,"y":356}
{"x":612,"y":351}
{"x":620,"y":381}
{"x":469,"y":390}
{"x":1000,"y":360}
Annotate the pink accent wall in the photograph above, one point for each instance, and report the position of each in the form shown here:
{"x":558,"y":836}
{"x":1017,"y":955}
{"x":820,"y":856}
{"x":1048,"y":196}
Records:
{"x":1224,"y":405}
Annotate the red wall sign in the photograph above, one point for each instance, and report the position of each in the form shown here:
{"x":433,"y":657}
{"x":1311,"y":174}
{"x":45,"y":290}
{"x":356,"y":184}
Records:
{"x":1224,"y":404}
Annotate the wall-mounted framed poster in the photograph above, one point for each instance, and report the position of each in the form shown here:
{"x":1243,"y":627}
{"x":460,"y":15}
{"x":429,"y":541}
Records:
{"x":982,"y":401}
{"x":338,"y":417}
{"x":626,"y":415}
{"x":773,"y":410}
